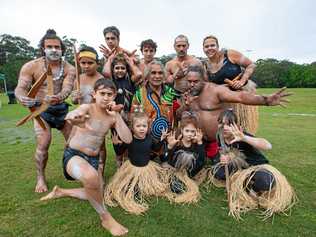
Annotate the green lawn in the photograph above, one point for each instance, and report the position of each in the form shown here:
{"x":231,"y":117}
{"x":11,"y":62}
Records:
{"x":292,"y":134}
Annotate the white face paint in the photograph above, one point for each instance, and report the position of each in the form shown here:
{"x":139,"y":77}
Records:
{"x":76,"y":172}
{"x":53,"y":54}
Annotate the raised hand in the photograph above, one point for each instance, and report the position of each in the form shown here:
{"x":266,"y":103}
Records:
{"x":198,"y":138}
{"x":105,"y":51}
{"x":181,"y":71}
{"x":115,"y":138}
{"x":111,"y":109}
{"x":172,"y":140}
{"x":164,"y":134}
{"x":128,"y":59}
{"x":237,"y":133}
{"x":277,"y":98}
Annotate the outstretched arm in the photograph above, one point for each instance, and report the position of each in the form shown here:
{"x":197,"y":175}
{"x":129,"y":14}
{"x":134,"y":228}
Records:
{"x":78,"y":116}
{"x":243,"y":97}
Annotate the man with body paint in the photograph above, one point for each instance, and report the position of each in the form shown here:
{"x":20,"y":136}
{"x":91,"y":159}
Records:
{"x":52,"y":49}
{"x":81,"y":156}
{"x":207,"y":100}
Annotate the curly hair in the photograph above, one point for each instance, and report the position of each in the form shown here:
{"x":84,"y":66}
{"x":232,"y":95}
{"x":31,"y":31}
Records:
{"x":148,"y":43}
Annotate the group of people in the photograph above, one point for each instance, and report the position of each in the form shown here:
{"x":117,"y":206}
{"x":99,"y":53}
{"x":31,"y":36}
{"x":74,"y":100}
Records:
{"x":172,"y":127}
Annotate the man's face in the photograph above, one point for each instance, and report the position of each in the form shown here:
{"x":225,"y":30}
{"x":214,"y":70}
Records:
{"x":88,"y":65}
{"x":193,"y":78}
{"x":104,"y":96}
{"x":195,"y":83}
{"x":111,"y":40}
{"x":181,"y":47}
{"x":156,"y":75}
{"x":52,"y":49}
{"x":149,"y":53}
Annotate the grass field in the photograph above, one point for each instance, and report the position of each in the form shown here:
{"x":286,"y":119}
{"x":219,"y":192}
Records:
{"x":292,"y":131}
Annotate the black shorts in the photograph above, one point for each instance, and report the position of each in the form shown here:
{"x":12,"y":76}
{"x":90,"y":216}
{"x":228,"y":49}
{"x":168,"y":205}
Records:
{"x":55,"y":115}
{"x":69,"y":153}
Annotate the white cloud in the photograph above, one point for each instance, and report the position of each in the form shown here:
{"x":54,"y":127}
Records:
{"x":276,"y":29}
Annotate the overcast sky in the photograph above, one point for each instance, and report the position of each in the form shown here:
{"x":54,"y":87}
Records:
{"x":284,"y":29}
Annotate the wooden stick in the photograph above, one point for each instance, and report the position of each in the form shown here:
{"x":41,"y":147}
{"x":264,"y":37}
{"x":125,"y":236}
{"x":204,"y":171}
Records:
{"x":230,"y":82}
{"x":227,"y":184}
{"x":32,"y":93}
{"x":77,"y":67}
{"x":35,"y":112}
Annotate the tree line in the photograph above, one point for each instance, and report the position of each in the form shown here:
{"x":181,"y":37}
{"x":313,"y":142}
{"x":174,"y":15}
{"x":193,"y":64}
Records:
{"x":269,"y":73}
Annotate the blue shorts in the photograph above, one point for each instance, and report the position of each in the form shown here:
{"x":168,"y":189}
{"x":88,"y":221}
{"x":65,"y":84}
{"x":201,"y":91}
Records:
{"x":69,"y":153}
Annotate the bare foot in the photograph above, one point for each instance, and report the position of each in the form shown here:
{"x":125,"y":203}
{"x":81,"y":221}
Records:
{"x":52,"y":195}
{"x":41,"y":186}
{"x":110,"y":224}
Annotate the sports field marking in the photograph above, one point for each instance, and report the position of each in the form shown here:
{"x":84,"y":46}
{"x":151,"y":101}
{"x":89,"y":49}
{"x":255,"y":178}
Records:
{"x":294,"y":114}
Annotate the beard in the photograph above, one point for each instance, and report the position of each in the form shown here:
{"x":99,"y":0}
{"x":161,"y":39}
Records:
{"x":53,"y":55}
{"x":181,"y":54}
{"x":197,"y":89}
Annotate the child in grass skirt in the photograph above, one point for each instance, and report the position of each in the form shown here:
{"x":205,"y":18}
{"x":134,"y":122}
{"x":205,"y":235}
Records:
{"x":253,"y":182}
{"x":138,"y":177}
{"x":186,"y":156}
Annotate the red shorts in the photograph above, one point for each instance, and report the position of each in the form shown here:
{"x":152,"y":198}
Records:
{"x":175,"y":105}
{"x":211,"y":149}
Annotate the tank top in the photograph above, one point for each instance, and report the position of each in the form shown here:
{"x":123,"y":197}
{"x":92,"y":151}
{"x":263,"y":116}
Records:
{"x":229,"y":71}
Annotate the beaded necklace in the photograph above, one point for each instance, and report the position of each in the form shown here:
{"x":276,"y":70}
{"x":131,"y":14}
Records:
{"x":60,"y":73}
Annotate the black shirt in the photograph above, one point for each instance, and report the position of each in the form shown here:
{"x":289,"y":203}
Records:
{"x":125,"y":92}
{"x":139,"y":150}
{"x":253,"y":155}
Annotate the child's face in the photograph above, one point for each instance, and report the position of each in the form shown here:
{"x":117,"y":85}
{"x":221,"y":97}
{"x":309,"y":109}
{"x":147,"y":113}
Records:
{"x":88,"y":65}
{"x":119,"y":70}
{"x":226,"y":128}
{"x":188,"y":132}
{"x":148,"y":53}
{"x":140,"y":128}
{"x":104,"y":96}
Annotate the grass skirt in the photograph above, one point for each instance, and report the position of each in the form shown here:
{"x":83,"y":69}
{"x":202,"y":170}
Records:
{"x":280,"y":198}
{"x":247,"y":115}
{"x":189,"y":193}
{"x":200,"y":177}
{"x":237,"y":160}
{"x":131,"y":184}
